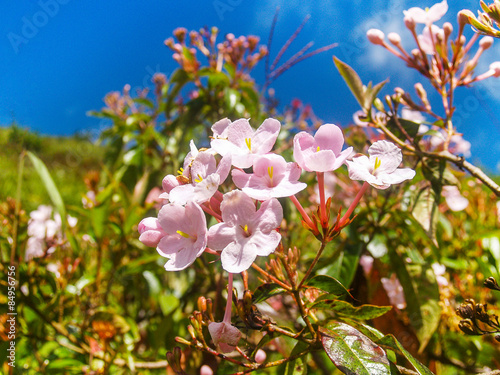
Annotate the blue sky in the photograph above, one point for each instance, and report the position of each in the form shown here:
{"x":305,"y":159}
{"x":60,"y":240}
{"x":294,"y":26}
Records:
{"x":60,"y":57}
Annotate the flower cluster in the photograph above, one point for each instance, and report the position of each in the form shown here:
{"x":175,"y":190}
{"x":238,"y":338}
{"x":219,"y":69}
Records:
{"x":248,"y":218}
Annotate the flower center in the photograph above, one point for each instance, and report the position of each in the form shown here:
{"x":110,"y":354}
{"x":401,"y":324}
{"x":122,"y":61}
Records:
{"x":248,"y":142}
{"x":185,"y":235}
{"x":246,"y":232}
{"x":377,"y":165}
{"x":317,"y":150}
{"x":270,"y":172}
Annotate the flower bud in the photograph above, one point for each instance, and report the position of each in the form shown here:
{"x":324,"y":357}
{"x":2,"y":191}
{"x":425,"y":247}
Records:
{"x":206,"y":370}
{"x":486,"y":42}
{"x":495,"y":67}
{"x":491,"y":283}
{"x":394,"y":38}
{"x":448,"y":29}
{"x":463,"y":17}
{"x":260,"y":356}
{"x":180,"y":34}
{"x":467,"y":327}
{"x":375,"y":36}
{"x":409,"y":23}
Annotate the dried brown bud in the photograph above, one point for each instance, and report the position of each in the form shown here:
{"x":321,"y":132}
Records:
{"x":467,"y":327}
{"x":491,"y":283}
{"x":465,"y":311}
{"x":481,"y":313}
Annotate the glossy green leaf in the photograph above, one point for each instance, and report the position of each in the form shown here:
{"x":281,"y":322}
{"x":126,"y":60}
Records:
{"x":421,"y":295}
{"x":328,"y":284}
{"x":65,"y":366}
{"x":266,"y":291}
{"x":353,"y":352}
{"x":362,"y":312}
{"x":390,"y":341}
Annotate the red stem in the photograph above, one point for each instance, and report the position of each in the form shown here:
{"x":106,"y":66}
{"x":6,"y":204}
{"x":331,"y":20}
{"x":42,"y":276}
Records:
{"x":354,"y":204}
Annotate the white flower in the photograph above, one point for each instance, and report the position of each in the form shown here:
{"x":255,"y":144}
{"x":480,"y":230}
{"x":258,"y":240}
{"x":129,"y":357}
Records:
{"x":380,"y":170}
{"x":428,"y":15}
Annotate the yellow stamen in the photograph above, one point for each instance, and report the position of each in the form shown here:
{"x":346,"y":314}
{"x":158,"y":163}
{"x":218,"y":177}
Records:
{"x":248,"y":142}
{"x":180,"y":171}
{"x":427,"y":9}
{"x":183,"y":234}
{"x":317,"y":150}
{"x":199,"y":179}
{"x":270,"y":171}
{"x":378,"y":162}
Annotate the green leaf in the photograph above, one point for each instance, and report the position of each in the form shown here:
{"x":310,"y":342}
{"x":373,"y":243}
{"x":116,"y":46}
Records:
{"x":353,"y":81}
{"x":421,"y":295}
{"x":64,"y":365}
{"x":363,"y":312}
{"x":168,"y":303}
{"x":298,"y":366}
{"x":266,"y":291}
{"x":50,"y":186}
{"x":425,"y":210}
{"x":328,"y":284}
{"x":392,"y":343}
{"x":352,"y":352}
{"x":153,"y":283}
{"x":372,"y":92}
{"x":410,"y":127}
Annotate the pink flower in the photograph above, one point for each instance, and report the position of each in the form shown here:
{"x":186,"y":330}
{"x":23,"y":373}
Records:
{"x":394,"y":291}
{"x":272,"y":177}
{"x":185,"y":236}
{"x":225,"y":336}
{"x":239,"y":140}
{"x":454,"y":200}
{"x":428,"y":15}
{"x":440,"y":271}
{"x":150,"y":231}
{"x":245,"y":232}
{"x":381,"y":169}
{"x":426,"y":39}
{"x":322,"y":152}
{"x":205,"y":178}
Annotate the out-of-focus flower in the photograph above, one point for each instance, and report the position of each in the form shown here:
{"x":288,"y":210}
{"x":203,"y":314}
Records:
{"x":245,"y":232}
{"x":380,"y":169}
{"x":224,"y":335}
{"x":454,"y":199}
{"x":440,"y":271}
{"x":457,"y":145}
{"x":243,"y":143}
{"x":428,"y":15}
{"x":366,"y":262}
{"x":394,"y":291}
{"x":320,"y":153}
{"x":272,"y":177}
{"x":427,"y":41}
{"x":45,"y":232}
{"x":185,"y":236}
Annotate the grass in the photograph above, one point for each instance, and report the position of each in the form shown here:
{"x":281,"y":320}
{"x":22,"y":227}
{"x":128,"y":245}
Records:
{"x":68,"y":160}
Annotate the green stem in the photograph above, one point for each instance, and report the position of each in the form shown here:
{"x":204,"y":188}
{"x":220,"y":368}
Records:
{"x":313,"y":264}
{"x":18,"y":207}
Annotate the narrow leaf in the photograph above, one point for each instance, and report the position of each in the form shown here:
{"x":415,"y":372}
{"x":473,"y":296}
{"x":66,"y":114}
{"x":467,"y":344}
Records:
{"x":266,"y":291}
{"x":391,"y":342}
{"x":352,"y":79}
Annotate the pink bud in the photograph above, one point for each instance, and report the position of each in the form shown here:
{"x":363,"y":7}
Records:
{"x":260,"y":356}
{"x":206,"y":370}
{"x":495,"y":67}
{"x":486,"y":42}
{"x":375,"y":36}
{"x":409,"y":22}
{"x":394,"y":38}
